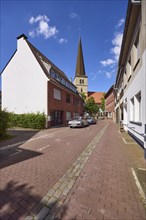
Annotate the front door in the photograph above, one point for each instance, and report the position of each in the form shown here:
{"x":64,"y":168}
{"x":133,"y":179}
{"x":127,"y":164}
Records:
{"x":56,"y":117}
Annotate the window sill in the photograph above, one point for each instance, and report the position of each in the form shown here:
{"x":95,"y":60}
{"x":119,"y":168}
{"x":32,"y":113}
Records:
{"x":136,"y":123}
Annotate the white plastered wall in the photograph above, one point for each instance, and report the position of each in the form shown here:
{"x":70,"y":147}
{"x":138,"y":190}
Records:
{"x":24,"y":84}
{"x":138,"y":84}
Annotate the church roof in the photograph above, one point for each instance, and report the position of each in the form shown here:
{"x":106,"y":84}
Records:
{"x":80,"y":68}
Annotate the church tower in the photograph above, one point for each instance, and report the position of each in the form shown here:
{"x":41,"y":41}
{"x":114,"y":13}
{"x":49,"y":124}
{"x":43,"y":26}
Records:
{"x":81,"y":80}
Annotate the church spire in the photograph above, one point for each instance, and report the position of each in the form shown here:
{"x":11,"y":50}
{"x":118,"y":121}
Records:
{"x":81,"y":80}
{"x":80,"y":68}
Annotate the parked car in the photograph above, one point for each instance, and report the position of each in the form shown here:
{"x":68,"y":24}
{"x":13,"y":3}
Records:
{"x":91,"y":120}
{"x":78,"y":122}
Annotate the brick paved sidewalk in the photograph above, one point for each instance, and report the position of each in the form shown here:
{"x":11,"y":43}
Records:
{"x":100,"y":184}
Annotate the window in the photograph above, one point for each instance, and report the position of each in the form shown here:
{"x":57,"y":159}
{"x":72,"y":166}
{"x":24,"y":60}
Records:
{"x":68,"y":116}
{"x":76,"y":114}
{"x":75,"y":101}
{"x":63,"y":81}
{"x":53,"y":74}
{"x":132,"y":109}
{"x":68,"y":98}
{"x":138,"y":107}
{"x":81,"y":81}
{"x":57,"y":94}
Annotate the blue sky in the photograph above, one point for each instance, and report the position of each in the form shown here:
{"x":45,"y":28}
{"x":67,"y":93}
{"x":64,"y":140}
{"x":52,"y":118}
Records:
{"x":54,"y":27}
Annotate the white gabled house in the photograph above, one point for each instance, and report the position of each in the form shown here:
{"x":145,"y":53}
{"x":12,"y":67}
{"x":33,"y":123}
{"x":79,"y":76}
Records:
{"x":32,"y":83}
{"x":130,"y":83}
{"x":24,"y":84}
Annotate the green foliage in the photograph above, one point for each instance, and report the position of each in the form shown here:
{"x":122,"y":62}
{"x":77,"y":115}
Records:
{"x":29,"y":120}
{"x":102,"y":104}
{"x":83,"y":96}
{"x":4,"y":123}
{"x":91,"y":106}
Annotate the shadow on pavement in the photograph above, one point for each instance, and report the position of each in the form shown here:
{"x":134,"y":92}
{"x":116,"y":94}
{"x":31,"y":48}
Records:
{"x":15,"y":155}
{"x":16,"y":200}
{"x":56,"y":212}
{"x":11,"y":153}
{"x":18,"y":135}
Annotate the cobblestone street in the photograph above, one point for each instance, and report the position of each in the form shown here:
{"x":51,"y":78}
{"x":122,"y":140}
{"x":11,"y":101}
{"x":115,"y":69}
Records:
{"x":72,"y":174}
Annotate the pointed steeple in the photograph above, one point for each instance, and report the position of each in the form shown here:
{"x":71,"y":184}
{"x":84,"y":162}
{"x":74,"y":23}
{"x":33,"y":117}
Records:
{"x":80,"y":68}
{"x":81,"y":80}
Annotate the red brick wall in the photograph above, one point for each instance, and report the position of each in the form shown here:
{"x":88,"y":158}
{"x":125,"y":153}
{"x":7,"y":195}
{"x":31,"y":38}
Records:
{"x":62,"y":105}
{"x":109,"y":103}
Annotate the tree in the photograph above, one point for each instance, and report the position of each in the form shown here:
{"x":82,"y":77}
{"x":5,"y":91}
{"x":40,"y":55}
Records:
{"x":102,"y":104}
{"x":83,"y":96}
{"x":91,"y":106}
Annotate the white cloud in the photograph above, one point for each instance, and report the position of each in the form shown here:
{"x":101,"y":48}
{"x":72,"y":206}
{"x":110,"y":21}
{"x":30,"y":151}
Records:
{"x":43,"y":27}
{"x":93,"y":75}
{"x":73,"y":15}
{"x":120,"y":22}
{"x":117,"y":41}
{"x":107,"y":62}
{"x":62,"y":41}
{"x":115,"y":50}
{"x":31,"y":34}
{"x":108,"y":75}
{"x":33,"y":20}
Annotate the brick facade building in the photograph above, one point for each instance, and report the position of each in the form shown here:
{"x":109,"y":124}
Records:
{"x":32,"y":83}
{"x":110,"y":103}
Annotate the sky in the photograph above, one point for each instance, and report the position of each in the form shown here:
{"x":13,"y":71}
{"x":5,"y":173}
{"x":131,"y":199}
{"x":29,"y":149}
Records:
{"x":54,"y":28}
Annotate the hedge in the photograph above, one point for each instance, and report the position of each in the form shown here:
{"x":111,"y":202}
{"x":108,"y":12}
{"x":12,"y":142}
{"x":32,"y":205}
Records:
{"x":29,"y":120}
{"x":4,"y":123}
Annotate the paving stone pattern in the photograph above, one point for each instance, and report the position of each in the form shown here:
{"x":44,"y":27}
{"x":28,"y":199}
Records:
{"x":106,"y":188}
{"x":66,"y":182}
{"x":71,"y":179}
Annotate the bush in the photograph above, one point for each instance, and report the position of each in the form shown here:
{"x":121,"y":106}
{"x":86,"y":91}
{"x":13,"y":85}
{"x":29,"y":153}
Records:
{"x":4,"y":123}
{"x":29,"y":120}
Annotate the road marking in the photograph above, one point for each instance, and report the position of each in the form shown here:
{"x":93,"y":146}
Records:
{"x":12,"y":145}
{"x":43,"y":148}
{"x":141,"y":192}
{"x":17,"y":152}
{"x":130,"y":142}
{"x":143,"y":169}
{"x":32,"y":139}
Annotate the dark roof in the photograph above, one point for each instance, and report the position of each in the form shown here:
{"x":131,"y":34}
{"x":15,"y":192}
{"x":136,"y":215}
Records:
{"x":22,"y":35}
{"x":111,"y":89}
{"x":80,"y":68}
{"x":43,"y":59}
{"x":40,"y":57}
